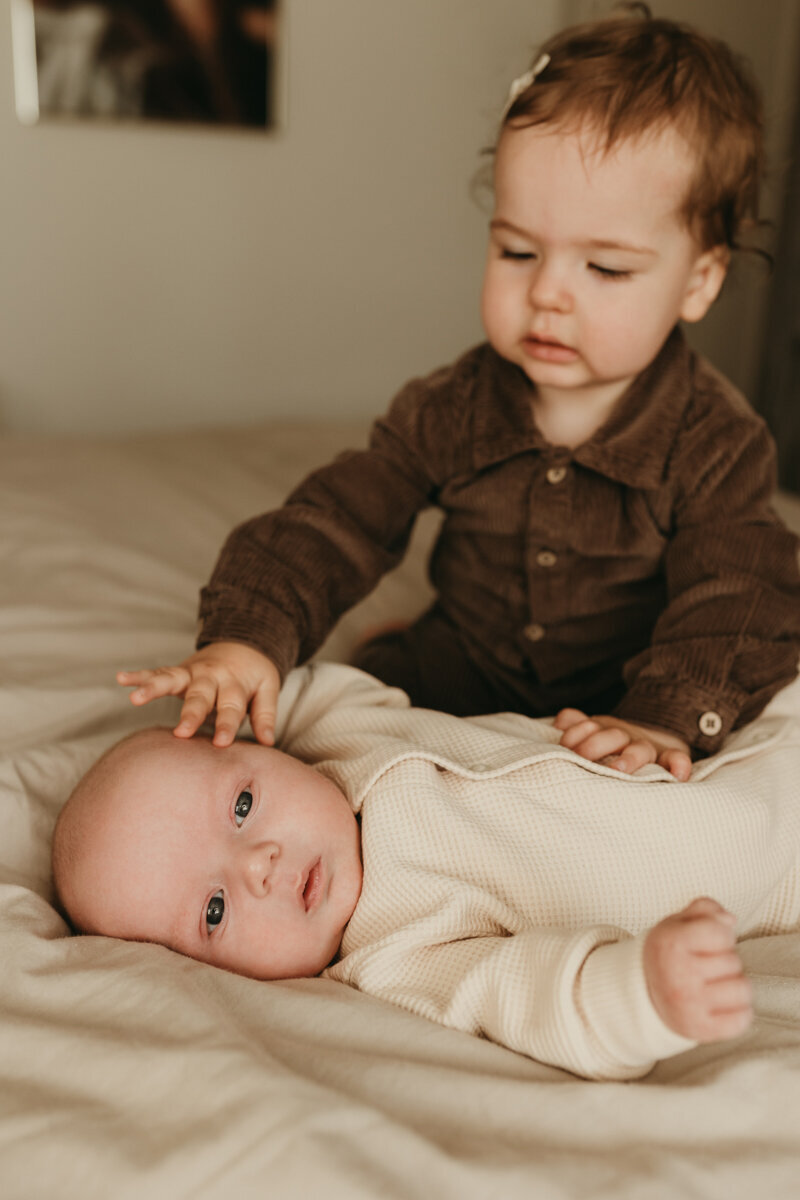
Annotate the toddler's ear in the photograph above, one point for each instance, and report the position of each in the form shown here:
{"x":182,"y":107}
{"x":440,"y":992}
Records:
{"x":705,"y":280}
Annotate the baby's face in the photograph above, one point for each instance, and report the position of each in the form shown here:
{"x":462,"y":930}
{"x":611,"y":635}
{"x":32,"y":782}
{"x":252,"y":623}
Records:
{"x":590,"y":260}
{"x":241,"y":857}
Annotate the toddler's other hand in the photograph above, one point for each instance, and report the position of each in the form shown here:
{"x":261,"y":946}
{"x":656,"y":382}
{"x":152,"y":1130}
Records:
{"x":695,"y":976}
{"x":623,"y":745}
{"x":227,"y":676}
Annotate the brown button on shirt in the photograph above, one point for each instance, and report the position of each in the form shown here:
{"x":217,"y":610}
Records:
{"x":648,"y":555}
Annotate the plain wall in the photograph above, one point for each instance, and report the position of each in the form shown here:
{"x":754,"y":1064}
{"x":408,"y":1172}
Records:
{"x":154,"y":276}
{"x":159,"y":276}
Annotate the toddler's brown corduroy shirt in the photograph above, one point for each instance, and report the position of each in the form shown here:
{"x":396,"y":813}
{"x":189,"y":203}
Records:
{"x":648,"y":554}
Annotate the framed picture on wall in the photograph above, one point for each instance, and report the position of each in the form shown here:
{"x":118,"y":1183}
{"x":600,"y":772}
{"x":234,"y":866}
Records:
{"x":209,"y":62}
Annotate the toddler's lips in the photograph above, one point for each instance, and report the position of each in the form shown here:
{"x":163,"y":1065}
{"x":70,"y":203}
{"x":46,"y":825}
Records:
{"x":313,"y":886}
{"x":548,"y":350}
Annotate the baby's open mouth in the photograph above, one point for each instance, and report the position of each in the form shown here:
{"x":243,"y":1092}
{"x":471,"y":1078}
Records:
{"x":313,"y":885}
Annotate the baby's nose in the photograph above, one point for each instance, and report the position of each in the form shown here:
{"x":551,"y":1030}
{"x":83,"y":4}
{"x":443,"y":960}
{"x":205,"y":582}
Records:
{"x":258,"y":866}
{"x":548,"y":290}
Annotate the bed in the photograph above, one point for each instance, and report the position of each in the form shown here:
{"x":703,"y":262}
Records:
{"x":127,"y":1071}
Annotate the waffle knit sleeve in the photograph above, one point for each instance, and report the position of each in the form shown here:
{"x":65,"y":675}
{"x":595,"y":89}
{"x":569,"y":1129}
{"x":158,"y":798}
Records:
{"x":575,"y":1000}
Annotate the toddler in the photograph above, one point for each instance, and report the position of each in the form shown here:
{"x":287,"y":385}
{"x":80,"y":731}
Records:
{"x":510,"y":888}
{"x":607,"y":546}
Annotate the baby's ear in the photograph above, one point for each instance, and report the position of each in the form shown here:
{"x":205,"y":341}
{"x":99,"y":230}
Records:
{"x":705,"y":280}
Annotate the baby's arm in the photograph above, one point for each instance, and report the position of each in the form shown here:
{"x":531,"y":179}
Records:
{"x":594,"y":1001}
{"x":230,"y":677}
{"x":623,"y":745}
{"x":284,"y":578}
{"x":695,"y":976}
{"x":729,"y":636}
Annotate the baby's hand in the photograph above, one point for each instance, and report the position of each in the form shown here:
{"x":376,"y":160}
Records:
{"x":227,"y":676}
{"x":623,"y":745}
{"x":695,"y":976}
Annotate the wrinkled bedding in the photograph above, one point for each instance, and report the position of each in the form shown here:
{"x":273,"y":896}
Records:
{"x":128,"y":1071}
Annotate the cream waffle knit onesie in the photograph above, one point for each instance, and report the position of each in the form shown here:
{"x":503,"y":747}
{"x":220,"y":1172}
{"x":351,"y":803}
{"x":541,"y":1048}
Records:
{"x":509,"y":883}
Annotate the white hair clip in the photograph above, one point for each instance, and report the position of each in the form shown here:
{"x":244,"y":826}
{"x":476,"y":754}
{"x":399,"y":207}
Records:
{"x":524,"y":81}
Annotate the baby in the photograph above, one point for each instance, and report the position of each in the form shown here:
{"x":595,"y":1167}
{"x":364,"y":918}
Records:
{"x":510,"y":888}
{"x":607,"y":546}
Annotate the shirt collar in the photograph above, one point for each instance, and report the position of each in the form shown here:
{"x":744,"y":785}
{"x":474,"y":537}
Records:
{"x":631,"y":447}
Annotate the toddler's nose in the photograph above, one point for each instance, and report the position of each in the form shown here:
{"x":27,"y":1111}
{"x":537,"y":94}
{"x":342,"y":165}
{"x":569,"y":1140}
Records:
{"x":259,"y":861}
{"x":548,"y":290}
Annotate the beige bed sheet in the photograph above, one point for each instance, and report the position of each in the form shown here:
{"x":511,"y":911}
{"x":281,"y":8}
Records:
{"x":127,"y":1071}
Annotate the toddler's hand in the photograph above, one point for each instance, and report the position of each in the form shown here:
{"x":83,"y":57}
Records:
{"x":623,"y":745}
{"x":695,"y":976}
{"x":227,"y":676}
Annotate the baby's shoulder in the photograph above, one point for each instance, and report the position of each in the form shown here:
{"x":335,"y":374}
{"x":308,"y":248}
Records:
{"x":720,"y":434}
{"x":718,"y":422}
{"x":450,"y":387}
{"x":433,"y":414}
{"x":715,"y":402}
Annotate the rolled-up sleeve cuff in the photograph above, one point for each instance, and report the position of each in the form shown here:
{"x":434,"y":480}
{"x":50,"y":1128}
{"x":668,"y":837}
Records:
{"x":614,"y":997}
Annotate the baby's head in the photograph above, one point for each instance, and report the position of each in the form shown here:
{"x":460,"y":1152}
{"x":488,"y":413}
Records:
{"x":242,"y":857}
{"x":627,"y":168}
{"x":631,"y":76}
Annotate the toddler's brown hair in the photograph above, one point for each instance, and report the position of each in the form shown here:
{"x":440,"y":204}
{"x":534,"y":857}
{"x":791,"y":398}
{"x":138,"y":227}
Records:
{"x":631,"y":74}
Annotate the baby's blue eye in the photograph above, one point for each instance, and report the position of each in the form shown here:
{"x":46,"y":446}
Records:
{"x":215,"y":910}
{"x":242,"y":806}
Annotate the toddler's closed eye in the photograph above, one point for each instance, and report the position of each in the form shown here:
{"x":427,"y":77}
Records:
{"x":609,"y":272}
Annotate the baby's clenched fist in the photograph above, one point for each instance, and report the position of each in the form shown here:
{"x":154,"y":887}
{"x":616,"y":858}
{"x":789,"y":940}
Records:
{"x":695,"y":976}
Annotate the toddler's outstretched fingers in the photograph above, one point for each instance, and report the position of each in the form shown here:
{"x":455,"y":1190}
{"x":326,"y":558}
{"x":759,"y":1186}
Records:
{"x":231,"y":704}
{"x":578,"y":732}
{"x":134,"y":679}
{"x":636,"y":754}
{"x":198,"y":703}
{"x":226,"y":726}
{"x":677,"y":762}
{"x":153,"y":683}
{"x":263,"y":710}
{"x":568,"y":717}
{"x":596,"y":743}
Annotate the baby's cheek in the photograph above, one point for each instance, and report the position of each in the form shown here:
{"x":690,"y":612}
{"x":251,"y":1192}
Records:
{"x":634,"y":324}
